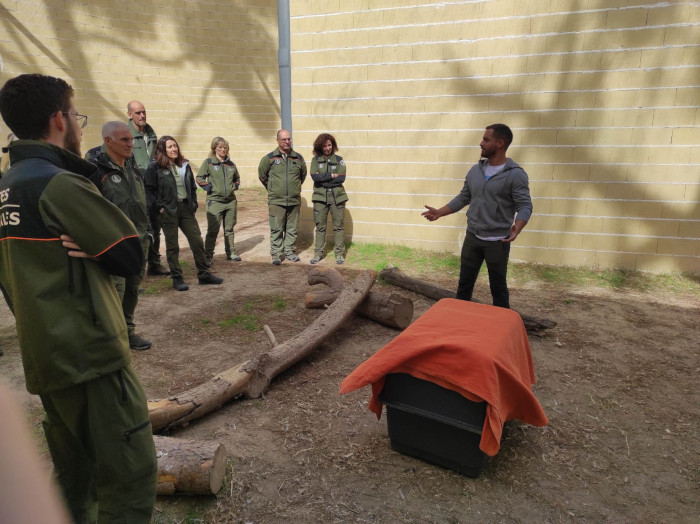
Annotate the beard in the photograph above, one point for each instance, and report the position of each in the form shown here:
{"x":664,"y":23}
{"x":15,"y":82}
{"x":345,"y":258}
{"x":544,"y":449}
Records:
{"x":71,"y":140}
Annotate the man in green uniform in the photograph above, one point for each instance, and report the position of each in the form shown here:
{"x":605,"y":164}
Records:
{"x":144,"y":151}
{"x":282,"y":172}
{"x":120,"y":181}
{"x":60,"y":241}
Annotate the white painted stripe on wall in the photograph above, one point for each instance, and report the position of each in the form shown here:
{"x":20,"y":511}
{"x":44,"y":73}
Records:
{"x":468,"y":2}
{"x":521,"y":36}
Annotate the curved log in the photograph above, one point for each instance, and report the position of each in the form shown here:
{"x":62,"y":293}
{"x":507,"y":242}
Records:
{"x":391,"y":310}
{"x":293,"y":350}
{"x":252,"y":378}
{"x":393,"y":275}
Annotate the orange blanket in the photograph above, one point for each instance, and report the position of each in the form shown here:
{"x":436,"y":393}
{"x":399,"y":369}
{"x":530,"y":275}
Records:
{"x":480,"y":351}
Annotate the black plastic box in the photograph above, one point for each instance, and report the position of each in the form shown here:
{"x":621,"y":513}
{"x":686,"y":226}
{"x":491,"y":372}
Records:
{"x":434,"y":424}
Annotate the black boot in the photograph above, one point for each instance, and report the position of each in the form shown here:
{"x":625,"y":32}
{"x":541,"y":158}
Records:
{"x":179,"y":284}
{"x":210,"y":279}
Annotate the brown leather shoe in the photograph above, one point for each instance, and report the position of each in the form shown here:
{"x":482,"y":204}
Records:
{"x":158,"y":270}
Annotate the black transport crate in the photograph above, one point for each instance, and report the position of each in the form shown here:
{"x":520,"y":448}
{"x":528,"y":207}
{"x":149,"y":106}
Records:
{"x":434,"y":424}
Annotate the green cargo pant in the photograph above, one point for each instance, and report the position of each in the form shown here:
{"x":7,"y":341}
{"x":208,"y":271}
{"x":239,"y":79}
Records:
{"x":218,"y":212}
{"x":101,"y":443}
{"x":128,"y":290}
{"x":321,"y":217}
{"x":284,"y":221}
{"x":185,"y":221}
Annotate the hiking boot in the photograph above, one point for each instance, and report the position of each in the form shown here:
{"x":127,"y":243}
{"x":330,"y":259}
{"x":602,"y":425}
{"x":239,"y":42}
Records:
{"x":339,"y":260}
{"x":210,"y":279}
{"x":179,"y":284}
{"x":276,"y":261}
{"x":157,"y":270}
{"x":317,"y":258}
{"x":139,"y":343}
{"x":292,"y":258}
{"x":235,"y":258}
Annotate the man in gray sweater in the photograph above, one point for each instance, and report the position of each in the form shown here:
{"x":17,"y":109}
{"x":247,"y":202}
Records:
{"x":497,"y":193}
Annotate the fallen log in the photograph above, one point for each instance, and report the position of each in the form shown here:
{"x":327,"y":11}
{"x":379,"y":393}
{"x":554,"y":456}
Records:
{"x":252,"y":378}
{"x":393,"y":275}
{"x":189,"y":467}
{"x":391,"y":310}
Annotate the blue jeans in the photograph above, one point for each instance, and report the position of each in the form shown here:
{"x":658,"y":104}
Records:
{"x":474,"y":252}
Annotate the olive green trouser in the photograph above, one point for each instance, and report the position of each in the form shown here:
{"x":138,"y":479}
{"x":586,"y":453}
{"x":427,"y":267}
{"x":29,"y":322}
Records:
{"x":101,"y":443}
{"x":284,"y":221}
{"x":128,"y":290}
{"x":185,"y":221}
{"x":218,"y":212}
{"x":321,"y":217}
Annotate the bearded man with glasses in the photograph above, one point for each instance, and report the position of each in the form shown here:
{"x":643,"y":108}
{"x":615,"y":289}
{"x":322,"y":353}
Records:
{"x":60,"y":241}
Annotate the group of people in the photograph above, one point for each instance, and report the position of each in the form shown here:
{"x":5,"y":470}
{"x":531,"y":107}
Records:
{"x":76,"y":236}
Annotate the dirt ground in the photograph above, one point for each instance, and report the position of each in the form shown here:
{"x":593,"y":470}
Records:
{"x":617,"y":378}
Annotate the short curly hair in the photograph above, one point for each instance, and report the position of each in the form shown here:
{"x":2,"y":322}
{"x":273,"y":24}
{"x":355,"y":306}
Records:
{"x":321,"y":141}
{"x":27,"y":103}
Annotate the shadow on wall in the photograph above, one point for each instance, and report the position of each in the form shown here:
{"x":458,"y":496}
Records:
{"x":558,"y":58}
{"x":185,"y":53}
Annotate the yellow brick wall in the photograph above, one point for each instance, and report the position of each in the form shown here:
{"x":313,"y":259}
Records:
{"x":602,"y":96}
{"x":202,"y":68}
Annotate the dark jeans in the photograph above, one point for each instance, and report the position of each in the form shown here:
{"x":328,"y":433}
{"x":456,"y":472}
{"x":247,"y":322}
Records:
{"x":474,"y":252}
{"x":154,"y":248}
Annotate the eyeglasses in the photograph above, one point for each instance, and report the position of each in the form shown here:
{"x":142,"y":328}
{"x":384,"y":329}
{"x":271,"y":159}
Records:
{"x":81,"y":119}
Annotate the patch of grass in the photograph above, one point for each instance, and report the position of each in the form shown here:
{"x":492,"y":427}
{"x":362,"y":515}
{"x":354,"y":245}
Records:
{"x":243,"y":320}
{"x":379,"y":256}
{"x":426,"y":263}
{"x":206,"y":321}
{"x":279,"y":304}
{"x":158,"y":286}
{"x":611,"y":278}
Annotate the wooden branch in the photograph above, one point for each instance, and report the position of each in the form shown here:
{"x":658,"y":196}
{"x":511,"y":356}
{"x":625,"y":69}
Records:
{"x":391,"y":310}
{"x":394,"y":276}
{"x":189,"y":467}
{"x":252,"y":378}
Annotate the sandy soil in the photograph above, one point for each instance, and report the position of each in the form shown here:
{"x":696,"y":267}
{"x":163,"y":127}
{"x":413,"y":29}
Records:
{"x":615,"y":377}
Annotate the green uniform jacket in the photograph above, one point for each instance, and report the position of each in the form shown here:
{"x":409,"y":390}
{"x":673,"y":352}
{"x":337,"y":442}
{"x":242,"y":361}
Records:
{"x":161,"y":189}
{"x":70,"y":323}
{"x":219,"y":179}
{"x":327,"y":189}
{"x":282,"y":178}
{"x":123,"y":186}
{"x":143,"y":143}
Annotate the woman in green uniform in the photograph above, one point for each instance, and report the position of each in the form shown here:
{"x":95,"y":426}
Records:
{"x":219,"y":177}
{"x":172,"y":188}
{"x":328,"y":174}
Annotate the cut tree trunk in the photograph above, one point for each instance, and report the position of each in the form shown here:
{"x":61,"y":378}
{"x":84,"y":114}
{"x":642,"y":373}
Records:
{"x":189,"y":467}
{"x":393,"y":275}
{"x":391,"y":310}
{"x":252,"y":378}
